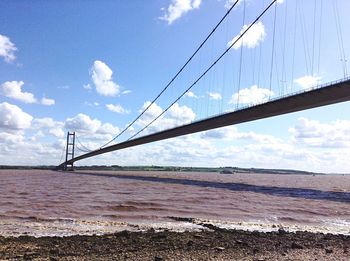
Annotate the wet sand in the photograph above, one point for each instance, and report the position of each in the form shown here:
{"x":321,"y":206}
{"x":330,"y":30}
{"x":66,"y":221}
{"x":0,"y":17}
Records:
{"x":211,"y":244}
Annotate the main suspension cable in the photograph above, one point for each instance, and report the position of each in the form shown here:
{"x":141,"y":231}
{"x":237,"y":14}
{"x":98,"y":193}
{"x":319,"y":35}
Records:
{"x":206,"y":71}
{"x":176,"y":75}
{"x":85,"y":149}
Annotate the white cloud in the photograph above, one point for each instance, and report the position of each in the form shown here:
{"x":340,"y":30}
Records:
{"x":14,"y":90}
{"x":251,"y":38}
{"x":175,"y":116}
{"x":314,"y":146}
{"x":63,"y":87}
{"x":82,"y":123}
{"x":44,"y":123}
{"x":315,"y":134}
{"x":57,"y":132}
{"x":252,"y":95}
{"x":178,"y":8}
{"x":53,"y":127}
{"x":191,"y":95}
{"x":108,"y":128}
{"x":11,"y":138}
{"x":308,"y":81}
{"x":91,"y":132}
{"x":126,"y":92}
{"x":94,"y":138}
{"x":117,"y":108}
{"x":87,"y":86}
{"x":215,"y":96}
{"x":229,"y":3}
{"x":182,"y":114}
{"x":47,"y":101}
{"x":101,"y":76}
{"x":152,"y":111}
{"x":232,"y":133}
{"x":92,"y":104}
{"x":12,"y":117}
{"x":7,"y":49}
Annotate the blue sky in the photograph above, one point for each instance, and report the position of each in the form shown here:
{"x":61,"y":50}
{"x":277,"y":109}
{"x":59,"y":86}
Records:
{"x":91,"y":66}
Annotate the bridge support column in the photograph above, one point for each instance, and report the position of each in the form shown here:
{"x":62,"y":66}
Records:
{"x":69,"y":151}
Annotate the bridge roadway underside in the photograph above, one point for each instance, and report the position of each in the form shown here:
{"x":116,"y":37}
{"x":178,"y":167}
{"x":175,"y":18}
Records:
{"x":334,"y":93}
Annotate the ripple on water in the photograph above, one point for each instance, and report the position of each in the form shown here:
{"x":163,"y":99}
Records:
{"x":88,"y":202}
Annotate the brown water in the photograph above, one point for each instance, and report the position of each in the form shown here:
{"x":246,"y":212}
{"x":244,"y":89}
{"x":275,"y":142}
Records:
{"x":54,"y":203}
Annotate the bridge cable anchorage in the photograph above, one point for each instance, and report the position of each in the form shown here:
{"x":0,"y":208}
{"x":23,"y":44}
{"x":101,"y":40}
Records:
{"x":206,"y":71}
{"x":175,"y":76}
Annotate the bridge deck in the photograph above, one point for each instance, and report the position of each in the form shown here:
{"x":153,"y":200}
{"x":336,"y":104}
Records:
{"x":330,"y":94}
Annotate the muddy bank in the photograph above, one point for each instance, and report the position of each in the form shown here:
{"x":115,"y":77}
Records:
{"x":214,"y":244}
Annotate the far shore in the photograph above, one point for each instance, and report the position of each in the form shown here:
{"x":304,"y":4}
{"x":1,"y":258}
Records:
{"x":222,"y":170}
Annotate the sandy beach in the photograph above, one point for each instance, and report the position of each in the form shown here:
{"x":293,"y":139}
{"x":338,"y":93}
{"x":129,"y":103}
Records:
{"x":213,"y":244}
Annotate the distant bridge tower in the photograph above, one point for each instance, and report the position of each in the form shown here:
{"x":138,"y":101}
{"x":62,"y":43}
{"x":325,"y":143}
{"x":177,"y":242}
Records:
{"x":69,"y":150}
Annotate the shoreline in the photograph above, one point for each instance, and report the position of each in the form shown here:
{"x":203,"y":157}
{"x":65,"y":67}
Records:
{"x":37,"y":228}
{"x":214,"y":243}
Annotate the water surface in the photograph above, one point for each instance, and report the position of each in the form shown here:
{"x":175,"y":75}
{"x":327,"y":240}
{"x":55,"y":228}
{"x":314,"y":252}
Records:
{"x":42,"y":202}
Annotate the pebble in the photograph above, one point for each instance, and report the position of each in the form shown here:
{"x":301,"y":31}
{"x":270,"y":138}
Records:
{"x":296,"y":246}
{"x":255,"y":250}
{"x":240,"y":242}
{"x":123,"y":233}
{"x":329,"y":251}
{"x":54,"y":251}
{"x":281,"y":231}
{"x":189,"y":243}
{"x":320,"y":245}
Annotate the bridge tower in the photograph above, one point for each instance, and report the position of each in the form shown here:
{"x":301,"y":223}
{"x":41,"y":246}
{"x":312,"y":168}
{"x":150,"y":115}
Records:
{"x":69,"y":150}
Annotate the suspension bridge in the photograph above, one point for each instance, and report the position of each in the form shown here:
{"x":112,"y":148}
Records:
{"x":314,"y":96}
